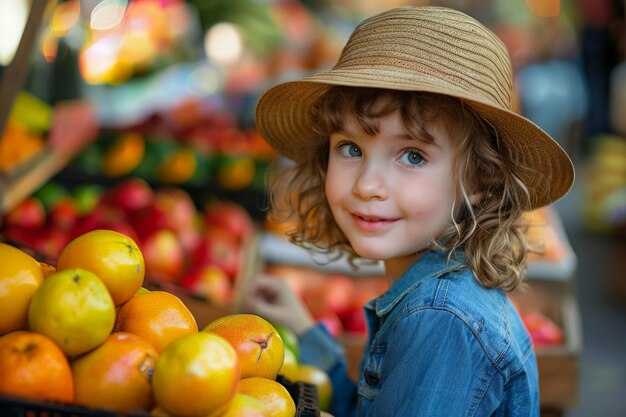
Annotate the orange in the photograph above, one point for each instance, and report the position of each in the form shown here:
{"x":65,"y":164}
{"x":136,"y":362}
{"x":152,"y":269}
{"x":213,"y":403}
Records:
{"x":178,"y":167}
{"x":258,"y":344}
{"x":74,"y":308}
{"x":290,"y":365}
{"x":196,"y":375}
{"x":123,"y":155}
{"x":245,"y":406}
{"x":318,"y":377}
{"x":157,"y":316}
{"x":271,"y":393}
{"x":236,"y":172}
{"x":34,"y":367}
{"x":20,"y":276}
{"x":112,"y":256}
{"x":47,"y":269}
{"x":116,"y":375}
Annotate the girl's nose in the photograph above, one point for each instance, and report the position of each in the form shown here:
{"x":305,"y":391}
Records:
{"x":370,"y":184}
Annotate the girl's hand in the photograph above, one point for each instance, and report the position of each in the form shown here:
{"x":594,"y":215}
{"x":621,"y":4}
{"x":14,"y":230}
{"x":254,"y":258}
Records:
{"x":274,"y":300}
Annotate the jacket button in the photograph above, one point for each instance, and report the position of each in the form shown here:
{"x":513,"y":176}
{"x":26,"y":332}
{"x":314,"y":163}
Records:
{"x":371,"y":378}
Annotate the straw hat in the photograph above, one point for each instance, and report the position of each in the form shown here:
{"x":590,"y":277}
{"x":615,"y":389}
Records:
{"x":431,"y":49}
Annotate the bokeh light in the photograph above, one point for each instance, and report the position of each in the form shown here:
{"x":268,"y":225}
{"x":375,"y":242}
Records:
{"x":223,"y":43}
{"x":544,"y":8}
{"x":107,"y":14}
{"x":65,"y":16}
{"x":12,"y":21}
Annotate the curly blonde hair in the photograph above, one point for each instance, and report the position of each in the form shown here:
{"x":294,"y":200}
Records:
{"x":490,"y":231}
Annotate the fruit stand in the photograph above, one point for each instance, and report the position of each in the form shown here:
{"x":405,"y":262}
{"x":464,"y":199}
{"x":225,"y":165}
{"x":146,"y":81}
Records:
{"x":182,"y":176}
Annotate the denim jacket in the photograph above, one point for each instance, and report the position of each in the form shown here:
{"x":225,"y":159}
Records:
{"x":439,"y":344}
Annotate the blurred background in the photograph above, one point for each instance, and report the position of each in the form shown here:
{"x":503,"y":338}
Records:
{"x":151,"y":95}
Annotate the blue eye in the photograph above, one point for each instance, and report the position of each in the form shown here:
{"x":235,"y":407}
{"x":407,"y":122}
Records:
{"x":412,"y":157}
{"x":349,"y":150}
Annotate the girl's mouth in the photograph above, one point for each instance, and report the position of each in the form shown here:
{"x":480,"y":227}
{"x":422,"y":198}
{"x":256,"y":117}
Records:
{"x":370,"y":223}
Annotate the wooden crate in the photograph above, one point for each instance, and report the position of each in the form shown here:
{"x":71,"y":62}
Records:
{"x":558,"y":365}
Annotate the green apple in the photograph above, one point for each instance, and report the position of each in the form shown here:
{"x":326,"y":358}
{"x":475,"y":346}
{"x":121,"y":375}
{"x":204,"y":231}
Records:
{"x":290,"y":340}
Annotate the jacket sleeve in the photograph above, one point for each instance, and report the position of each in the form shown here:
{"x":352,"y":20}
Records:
{"x":435,"y":366}
{"x":319,"y":348}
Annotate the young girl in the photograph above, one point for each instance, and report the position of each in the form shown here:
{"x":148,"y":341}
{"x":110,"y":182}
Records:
{"x":407,"y":151}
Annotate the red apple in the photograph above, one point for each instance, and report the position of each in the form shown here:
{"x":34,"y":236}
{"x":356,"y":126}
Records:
{"x":208,"y":281}
{"x":50,"y":240}
{"x":19,"y":235}
{"x":130,"y":195}
{"x":543,"y":331}
{"x":353,"y":320}
{"x":331,"y":321}
{"x":29,"y":214}
{"x":218,"y":248}
{"x":105,"y":217}
{"x":230,"y":216}
{"x":163,"y":255}
{"x":336,"y":294}
{"x":190,"y":238}
{"x":180,"y":206}
{"x":171,"y":209}
{"x":63,"y":214}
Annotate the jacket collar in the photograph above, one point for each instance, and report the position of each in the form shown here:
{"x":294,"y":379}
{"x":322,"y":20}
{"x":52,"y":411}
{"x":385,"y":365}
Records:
{"x":432,"y":264}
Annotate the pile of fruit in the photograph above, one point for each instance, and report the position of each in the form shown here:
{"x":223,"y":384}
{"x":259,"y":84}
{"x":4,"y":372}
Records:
{"x":199,"y":249}
{"x":215,"y":151}
{"x":87,"y":333}
{"x":24,"y":135}
{"x":605,"y":185}
{"x":334,"y":299}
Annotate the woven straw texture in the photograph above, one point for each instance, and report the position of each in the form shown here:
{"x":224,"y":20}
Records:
{"x":431,"y":49}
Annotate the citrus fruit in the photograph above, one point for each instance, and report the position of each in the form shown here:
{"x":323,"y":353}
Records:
{"x":112,"y":256}
{"x":20,"y":276}
{"x":116,"y":375}
{"x":74,"y":308}
{"x":141,"y":290}
{"x":290,"y":365}
{"x":196,"y":375}
{"x":316,"y":376}
{"x":235,"y":172}
{"x":33,"y":366}
{"x":123,"y":155}
{"x":258,"y":344}
{"x":178,"y":167}
{"x":271,"y":393}
{"x":245,"y":406}
{"x":47,"y":269}
{"x":157,"y":316}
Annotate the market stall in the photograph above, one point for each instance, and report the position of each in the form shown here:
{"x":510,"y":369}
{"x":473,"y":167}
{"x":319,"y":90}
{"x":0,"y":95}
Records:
{"x":149,"y":133}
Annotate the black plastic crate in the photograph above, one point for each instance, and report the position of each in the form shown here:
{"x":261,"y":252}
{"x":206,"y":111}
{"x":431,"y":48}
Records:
{"x":303,"y":394}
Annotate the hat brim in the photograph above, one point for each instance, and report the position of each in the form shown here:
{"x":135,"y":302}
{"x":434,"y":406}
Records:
{"x":284,"y":118}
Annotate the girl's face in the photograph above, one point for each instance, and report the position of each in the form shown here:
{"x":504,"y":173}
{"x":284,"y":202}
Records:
{"x":390,"y":194}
